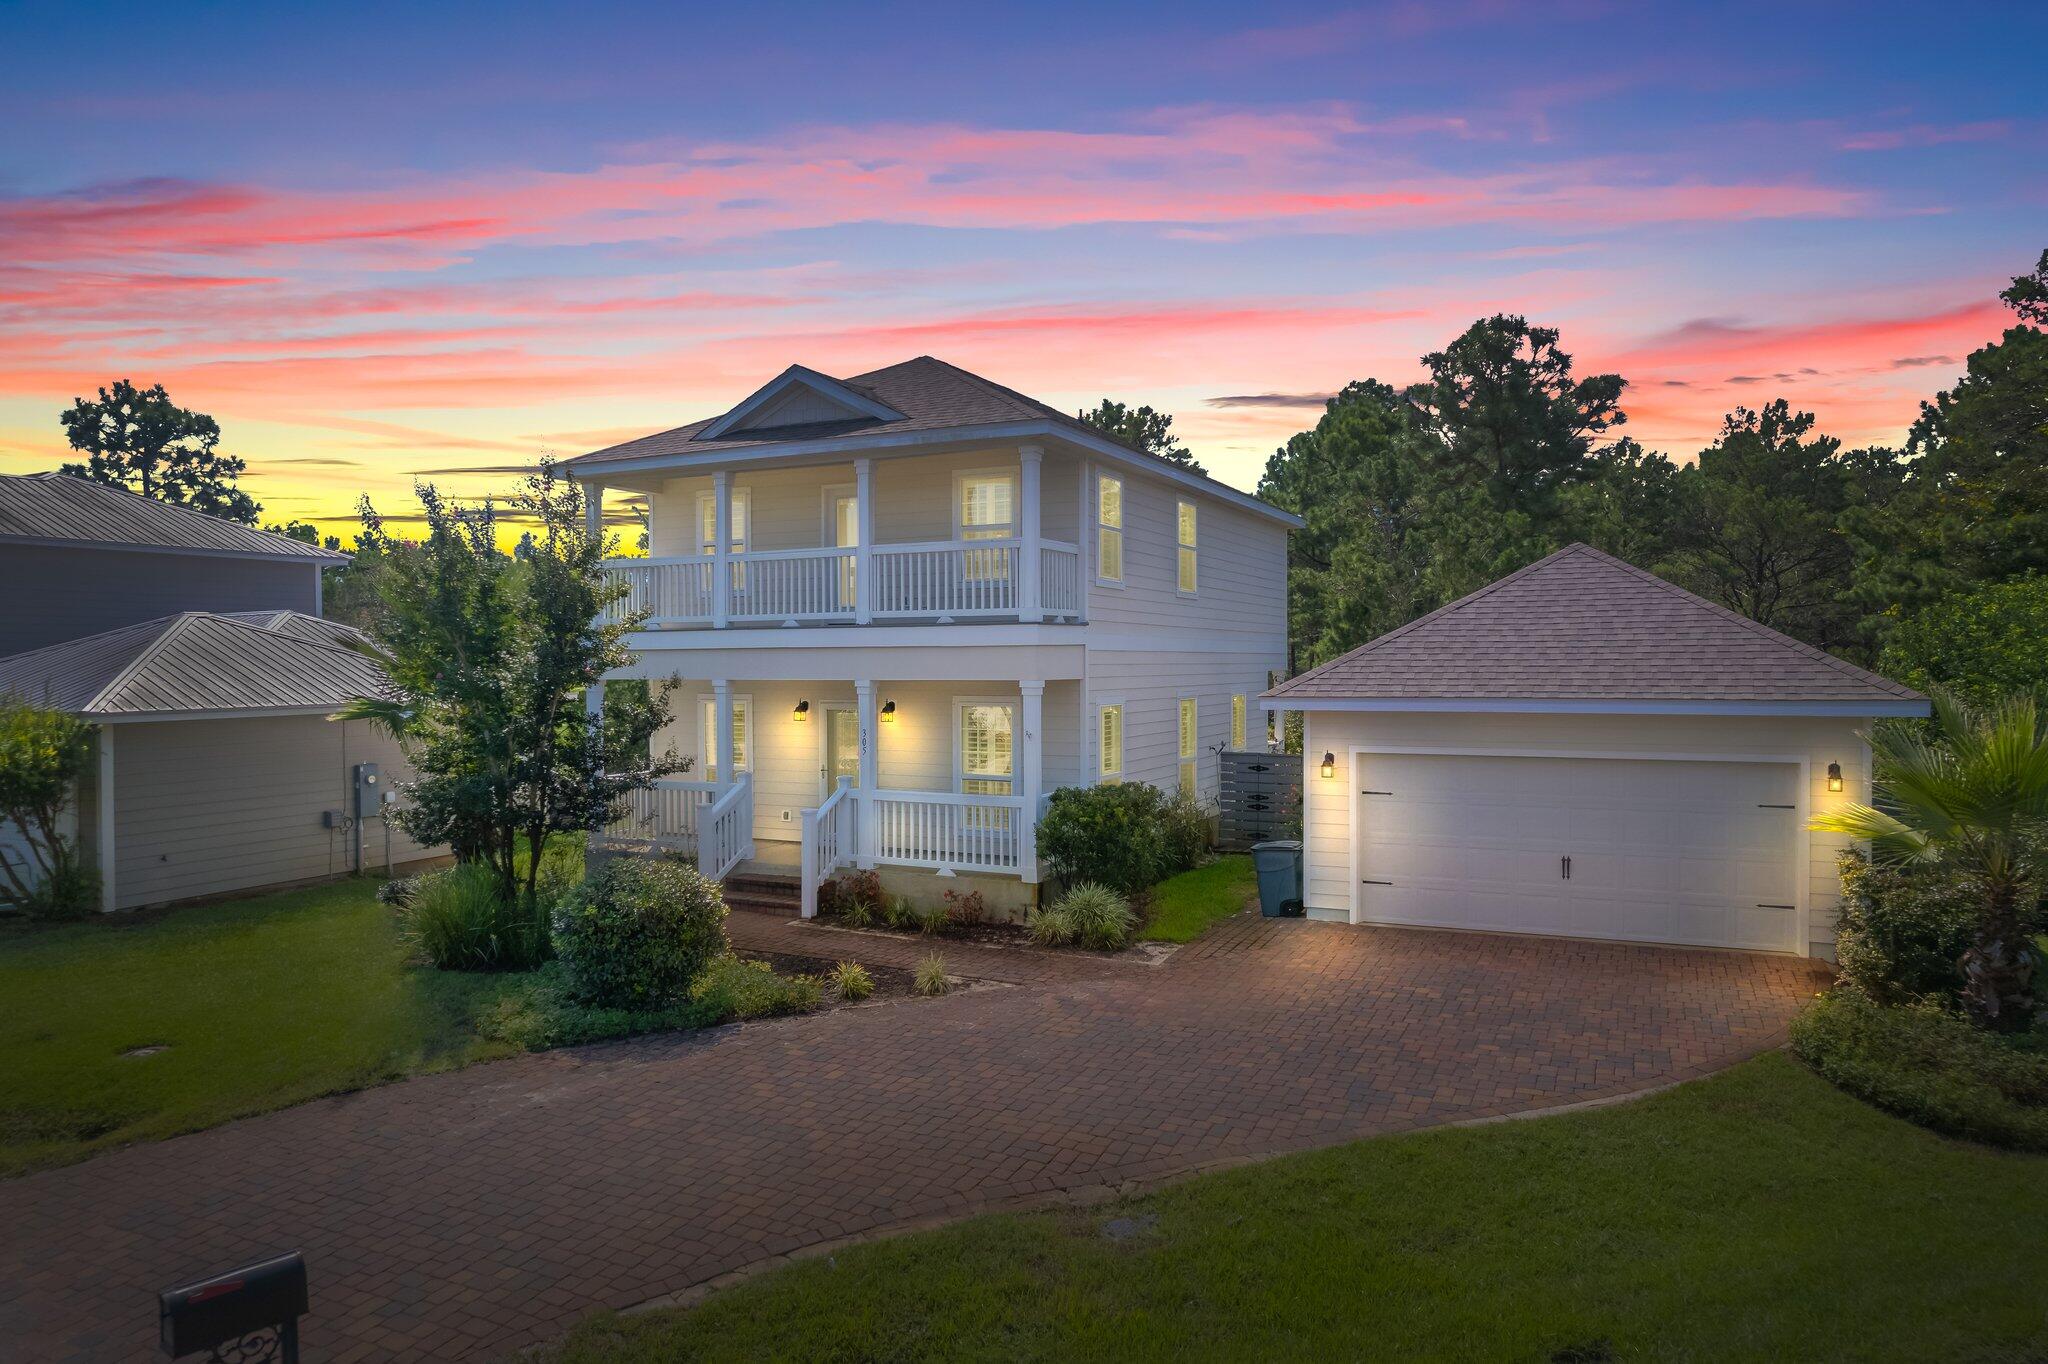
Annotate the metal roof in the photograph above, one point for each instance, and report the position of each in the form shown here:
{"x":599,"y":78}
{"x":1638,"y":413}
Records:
{"x":1583,"y":630}
{"x":59,"y":509}
{"x":194,"y":663}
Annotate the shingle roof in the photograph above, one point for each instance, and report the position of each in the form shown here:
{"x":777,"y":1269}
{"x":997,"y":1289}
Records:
{"x":76,"y":510}
{"x":195,"y":662}
{"x":1582,"y":626}
{"x":932,"y":396}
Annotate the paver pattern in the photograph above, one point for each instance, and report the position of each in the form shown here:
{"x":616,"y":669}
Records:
{"x":467,"y":1214}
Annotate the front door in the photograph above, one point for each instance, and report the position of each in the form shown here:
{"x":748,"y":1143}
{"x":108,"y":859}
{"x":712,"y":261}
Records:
{"x":842,"y":748}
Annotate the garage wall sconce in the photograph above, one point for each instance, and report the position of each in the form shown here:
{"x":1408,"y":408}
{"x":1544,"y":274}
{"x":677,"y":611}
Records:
{"x":1834,"y":776}
{"x":888,"y":712}
{"x":1329,"y":764}
{"x":802,"y":713}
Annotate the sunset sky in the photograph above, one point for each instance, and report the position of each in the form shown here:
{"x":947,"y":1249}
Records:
{"x":395,"y":246}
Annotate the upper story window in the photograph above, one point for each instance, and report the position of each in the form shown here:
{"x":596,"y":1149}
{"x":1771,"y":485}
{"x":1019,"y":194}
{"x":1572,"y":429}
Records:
{"x":1184,"y":521}
{"x":1109,"y":529}
{"x":985,"y":508}
{"x":1111,"y":765}
{"x":1189,"y":731}
{"x":707,"y":523}
{"x":1237,"y":705}
{"x":742,"y":710}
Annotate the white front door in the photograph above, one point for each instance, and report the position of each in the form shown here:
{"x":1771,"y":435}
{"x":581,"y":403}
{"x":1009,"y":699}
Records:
{"x":841,"y":738}
{"x":1679,"y":852}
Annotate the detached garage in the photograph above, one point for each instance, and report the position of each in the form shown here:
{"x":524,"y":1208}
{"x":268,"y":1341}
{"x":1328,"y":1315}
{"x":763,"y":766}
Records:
{"x":1584,"y":749}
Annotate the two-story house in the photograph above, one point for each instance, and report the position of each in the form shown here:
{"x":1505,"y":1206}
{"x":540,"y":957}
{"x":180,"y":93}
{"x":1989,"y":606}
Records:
{"x":905,"y":605}
{"x":195,"y":648}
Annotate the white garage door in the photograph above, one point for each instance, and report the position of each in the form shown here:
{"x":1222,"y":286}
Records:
{"x":1651,"y":851}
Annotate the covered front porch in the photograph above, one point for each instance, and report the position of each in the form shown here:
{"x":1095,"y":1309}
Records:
{"x":943,"y":778}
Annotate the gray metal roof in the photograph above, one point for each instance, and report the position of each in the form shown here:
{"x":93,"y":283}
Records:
{"x":194,"y":663}
{"x":59,"y":509}
{"x":299,"y":625}
{"x":1582,"y":626}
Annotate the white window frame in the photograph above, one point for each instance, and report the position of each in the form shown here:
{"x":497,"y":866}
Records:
{"x":1240,"y":704}
{"x":1188,"y":548}
{"x":739,"y":534}
{"x":1188,"y":742}
{"x":743,"y":738}
{"x":961,"y":776}
{"x":828,"y":535}
{"x":1102,"y":528}
{"x":958,"y":514}
{"x":1104,"y":772}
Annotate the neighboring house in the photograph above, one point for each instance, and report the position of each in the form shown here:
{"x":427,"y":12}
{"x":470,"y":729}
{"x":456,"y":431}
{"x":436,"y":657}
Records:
{"x":948,"y":598}
{"x":191,"y":644}
{"x":79,"y":557}
{"x":1585,"y":749}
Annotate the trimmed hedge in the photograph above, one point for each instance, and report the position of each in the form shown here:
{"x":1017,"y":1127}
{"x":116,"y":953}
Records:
{"x":1901,"y":932}
{"x":1124,"y":835}
{"x":638,"y":932}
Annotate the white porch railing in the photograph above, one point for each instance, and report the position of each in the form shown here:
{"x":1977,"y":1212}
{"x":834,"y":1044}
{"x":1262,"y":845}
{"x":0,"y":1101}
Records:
{"x":831,"y":840}
{"x":665,"y":815}
{"x":725,"y":831}
{"x":973,"y":579}
{"x":948,"y":832}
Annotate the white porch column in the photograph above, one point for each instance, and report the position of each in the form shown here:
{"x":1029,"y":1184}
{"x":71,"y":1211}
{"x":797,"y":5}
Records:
{"x":1084,"y":537}
{"x":864,"y":534}
{"x":593,"y":510}
{"x":1030,"y":459}
{"x":1030,"y":775}
{"x":870,"y":768}
{"x":721,"y":548}
{"x":721,"y":710}
{"x":103,"y":807}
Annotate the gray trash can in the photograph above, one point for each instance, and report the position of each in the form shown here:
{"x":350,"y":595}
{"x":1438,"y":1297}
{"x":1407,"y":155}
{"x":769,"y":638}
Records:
{"x":1278,"y":863}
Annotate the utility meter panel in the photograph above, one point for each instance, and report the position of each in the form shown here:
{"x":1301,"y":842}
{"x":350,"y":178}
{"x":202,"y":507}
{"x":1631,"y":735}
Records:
{"x":369,"y":791}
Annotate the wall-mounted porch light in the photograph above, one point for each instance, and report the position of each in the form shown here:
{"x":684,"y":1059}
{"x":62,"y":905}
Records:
{"x":1834,"y":776}
{"x":888,"y":712}
{"x":1329,"y":763}
{"x":802,"y":712}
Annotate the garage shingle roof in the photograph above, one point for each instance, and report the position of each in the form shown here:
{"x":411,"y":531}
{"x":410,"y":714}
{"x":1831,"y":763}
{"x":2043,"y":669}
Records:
{"x":1582,"y":626}
{"x":62,"y":509}
{"x":196,"y":662}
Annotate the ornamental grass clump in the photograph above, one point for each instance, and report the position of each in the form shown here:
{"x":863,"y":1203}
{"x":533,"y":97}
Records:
{"x":1097,"y":916}
{"x":931,"y":976}
{"x":459,"y":919}
{"x":852,"y":981}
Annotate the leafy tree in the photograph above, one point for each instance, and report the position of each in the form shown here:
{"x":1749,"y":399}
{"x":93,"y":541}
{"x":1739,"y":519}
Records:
{"x":44,"y":754}
{"x":1624,"y":503}
{"x":1144,"y":428}
{"x":1756,"y":525}
{"x":354,"y":593}
{"x":1976,"y":798}
{"x":489,"y":658}
{"x":1989,"y":642}
{"x":305,"y":533}
{"x":2029,"y":294}
{"x":140,"y":440}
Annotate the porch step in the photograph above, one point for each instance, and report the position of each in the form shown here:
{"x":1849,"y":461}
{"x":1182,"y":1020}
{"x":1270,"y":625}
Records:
{"x":767,"y":894}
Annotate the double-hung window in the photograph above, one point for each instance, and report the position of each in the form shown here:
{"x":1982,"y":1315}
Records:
{"x":1110,"y":733}
{"x":736,"y":540}
{"x":1184,"y":522}
{"x":986,"y":509}
{"x":1109,"y":529}
{"x":1188,"y":736}
{"x":742,"y":714}
{"x":987,"y":751}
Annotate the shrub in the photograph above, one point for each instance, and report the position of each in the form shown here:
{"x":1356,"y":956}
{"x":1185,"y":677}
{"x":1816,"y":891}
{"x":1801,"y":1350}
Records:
{"x":733,"y":987}
{"x":930,"y":919}
{"x":44,"y":754}
{"x":543,"y":1012}
{"x":900,"y":913}
{"x":69,"y":890}
{"x":852,"y":981}
{"x":966,"y":909}
{"x":399,"y":890}
{"x":1901,"y":932}
{"x":1049,"y":927}
{"x":855,"y":896}
{"x":1113,"y":835}
{"x":1184,"y":833}
{"x":1930,"y":1066}
{"x":638,"y":932}
{"x":1097,"y":916}
{"x":931,"y":976}
{"x":459,"y":920}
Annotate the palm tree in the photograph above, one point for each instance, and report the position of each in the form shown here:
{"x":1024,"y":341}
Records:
{"x":1975,"y":796}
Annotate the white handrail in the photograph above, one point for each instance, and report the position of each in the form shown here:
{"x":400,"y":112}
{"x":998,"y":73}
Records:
{"x":726,"y":830}
{"x":948,"y":831}
{"x":664,"y":815}
{"x":828,"y":841}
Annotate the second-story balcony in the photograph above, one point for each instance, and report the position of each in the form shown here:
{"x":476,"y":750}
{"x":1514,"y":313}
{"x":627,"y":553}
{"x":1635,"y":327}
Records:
{"x":941,"y":581}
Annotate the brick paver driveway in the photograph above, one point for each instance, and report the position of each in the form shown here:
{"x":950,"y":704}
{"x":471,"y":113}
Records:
{"x":468,"y":1213}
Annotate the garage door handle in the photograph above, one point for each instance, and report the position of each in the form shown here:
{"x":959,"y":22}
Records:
{"x":1764,"y":906}
{"x":1565,"y":867}
{"x":1375,"y":883}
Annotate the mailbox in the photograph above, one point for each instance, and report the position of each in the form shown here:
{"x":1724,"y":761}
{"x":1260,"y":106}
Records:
{"x":265,"y":1298}
{"x":369,"y":791}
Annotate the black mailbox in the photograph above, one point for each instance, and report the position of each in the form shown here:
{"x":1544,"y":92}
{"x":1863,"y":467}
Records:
{"x":266,"y":1297}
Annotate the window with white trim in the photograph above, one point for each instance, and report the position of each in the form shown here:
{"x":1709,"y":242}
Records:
{"x":1109,"y":529}
{"x":1110,"y":732}
{"x":985,"y":508}
{"x":1184,"y":523}
{"x":742,"y":711}
{"x":1237,"y":704}
{"x":1189,"y":733}
{"x":707,"y":523}
{"x":986,"y":753}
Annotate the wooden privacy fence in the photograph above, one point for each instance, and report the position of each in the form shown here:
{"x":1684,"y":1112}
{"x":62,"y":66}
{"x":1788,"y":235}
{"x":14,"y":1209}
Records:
{"x":1261,"y":796}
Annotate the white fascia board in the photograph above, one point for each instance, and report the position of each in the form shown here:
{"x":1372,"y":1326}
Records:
{"x":799,"y":376}
{"x":1487,"y":706}
{"x":163,"y":716}
{"x":885,"y":443}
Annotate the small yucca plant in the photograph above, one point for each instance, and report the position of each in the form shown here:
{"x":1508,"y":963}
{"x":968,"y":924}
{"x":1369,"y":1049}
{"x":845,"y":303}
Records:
{"x":931,"y":975}
{"x":852,"y":981}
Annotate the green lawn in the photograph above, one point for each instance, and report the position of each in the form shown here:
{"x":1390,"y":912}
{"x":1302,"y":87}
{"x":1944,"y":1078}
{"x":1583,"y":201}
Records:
{"x":1758,"y":1215}
{"x":1184,"y":905}
{"x":259,"y":1003}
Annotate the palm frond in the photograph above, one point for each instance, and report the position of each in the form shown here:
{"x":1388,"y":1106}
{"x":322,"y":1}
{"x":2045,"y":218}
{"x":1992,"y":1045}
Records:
{"x":1888,"y":835}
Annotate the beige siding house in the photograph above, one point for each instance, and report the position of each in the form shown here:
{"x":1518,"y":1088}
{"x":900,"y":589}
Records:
{"x":947,"y":599}
{"x":1584,"y":749}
